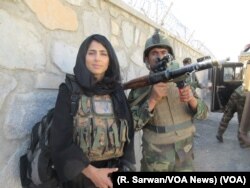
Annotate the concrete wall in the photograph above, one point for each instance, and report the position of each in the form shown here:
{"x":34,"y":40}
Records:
{"x":39,"y":43}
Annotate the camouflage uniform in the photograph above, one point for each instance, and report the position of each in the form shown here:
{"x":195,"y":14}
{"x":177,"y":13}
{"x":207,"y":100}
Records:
{"x":173,"y":149}
{"x":167,"y":141}
{"x":235,"y":104}
{"x":193,"y":81}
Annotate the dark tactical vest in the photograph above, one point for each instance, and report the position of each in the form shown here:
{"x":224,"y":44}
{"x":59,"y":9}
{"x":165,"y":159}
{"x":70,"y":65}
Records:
{"x":96,"y":130}
{"x":174,"y":116}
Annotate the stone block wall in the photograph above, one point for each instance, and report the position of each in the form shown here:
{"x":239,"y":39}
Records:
{"x":39,"y":43}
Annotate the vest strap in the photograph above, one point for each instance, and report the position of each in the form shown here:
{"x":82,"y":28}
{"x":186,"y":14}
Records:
{"x":167,"y":129}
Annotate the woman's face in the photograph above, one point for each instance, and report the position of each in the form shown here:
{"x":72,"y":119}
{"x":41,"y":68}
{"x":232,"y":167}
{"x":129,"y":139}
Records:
{"x":97,"y":59}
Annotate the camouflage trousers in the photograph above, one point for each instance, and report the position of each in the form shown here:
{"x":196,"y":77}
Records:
{"x":235,"y":104}
{"x":168,"y":158}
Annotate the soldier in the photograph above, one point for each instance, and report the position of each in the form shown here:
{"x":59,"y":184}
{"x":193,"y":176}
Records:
{"x":235,"y":104}
{"x":193,"y":80}
{"x":165,"y":114}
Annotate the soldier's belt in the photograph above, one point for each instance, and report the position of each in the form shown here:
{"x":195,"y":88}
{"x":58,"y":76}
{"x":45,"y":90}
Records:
{"x":167,"y":129}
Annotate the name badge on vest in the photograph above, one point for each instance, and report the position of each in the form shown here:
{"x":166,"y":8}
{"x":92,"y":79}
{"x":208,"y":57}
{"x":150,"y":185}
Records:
{"x":102,"y":105}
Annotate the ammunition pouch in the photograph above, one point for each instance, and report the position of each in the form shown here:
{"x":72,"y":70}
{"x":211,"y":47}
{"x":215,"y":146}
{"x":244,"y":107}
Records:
{"x":98,"y":133}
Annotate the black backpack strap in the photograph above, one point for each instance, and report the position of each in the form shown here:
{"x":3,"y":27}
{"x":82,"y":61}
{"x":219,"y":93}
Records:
{"x":76,"y":91}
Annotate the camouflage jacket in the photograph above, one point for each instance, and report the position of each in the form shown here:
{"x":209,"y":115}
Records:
{"x":138,"y":99}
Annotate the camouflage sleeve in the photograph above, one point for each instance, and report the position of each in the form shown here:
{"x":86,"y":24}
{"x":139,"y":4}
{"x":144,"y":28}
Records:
{"x":193,"y":81}
{"x":197,"y":82}
{"x":141,"y":115}
{"x":202,"y":109}
{"x":139,"y":108}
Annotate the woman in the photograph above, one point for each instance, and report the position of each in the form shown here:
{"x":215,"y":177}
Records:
{"x":87,"y":147}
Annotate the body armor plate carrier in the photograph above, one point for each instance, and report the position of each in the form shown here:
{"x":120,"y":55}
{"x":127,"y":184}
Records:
{"x":97,"y":131}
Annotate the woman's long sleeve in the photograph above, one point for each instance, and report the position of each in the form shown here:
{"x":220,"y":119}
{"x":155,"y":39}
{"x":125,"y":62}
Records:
{"x":68,"y":158}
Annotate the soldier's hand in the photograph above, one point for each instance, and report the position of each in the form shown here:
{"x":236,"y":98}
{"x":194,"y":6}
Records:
{"x":186,"y":95}
{"x":159,"y":90}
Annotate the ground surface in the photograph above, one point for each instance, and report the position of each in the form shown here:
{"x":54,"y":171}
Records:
{"x":210,"y":155}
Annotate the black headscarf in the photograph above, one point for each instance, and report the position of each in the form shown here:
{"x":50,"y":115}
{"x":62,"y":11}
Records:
{"x":110,"y":84}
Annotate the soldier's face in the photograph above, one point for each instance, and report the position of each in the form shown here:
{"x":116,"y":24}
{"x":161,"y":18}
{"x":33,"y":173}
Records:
{"x":154,"y":54}
{"x":186,"y":63}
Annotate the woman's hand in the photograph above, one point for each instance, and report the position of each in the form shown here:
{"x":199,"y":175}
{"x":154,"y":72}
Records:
{"x":99,"y":176}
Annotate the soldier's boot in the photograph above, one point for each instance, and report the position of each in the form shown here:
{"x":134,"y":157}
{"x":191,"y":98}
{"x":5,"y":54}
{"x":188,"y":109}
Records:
{"x":220,"y":132}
